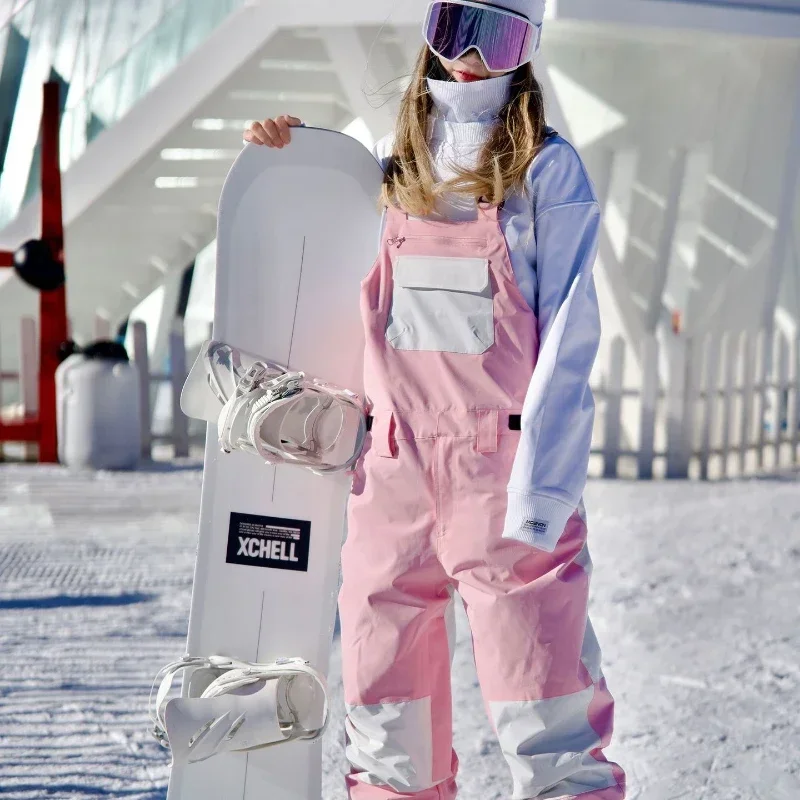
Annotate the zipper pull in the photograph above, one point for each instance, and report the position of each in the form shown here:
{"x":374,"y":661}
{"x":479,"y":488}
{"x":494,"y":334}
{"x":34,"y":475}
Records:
{"x":397,"y":240}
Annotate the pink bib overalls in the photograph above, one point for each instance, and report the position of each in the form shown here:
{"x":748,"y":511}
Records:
{"x":451,"y":345}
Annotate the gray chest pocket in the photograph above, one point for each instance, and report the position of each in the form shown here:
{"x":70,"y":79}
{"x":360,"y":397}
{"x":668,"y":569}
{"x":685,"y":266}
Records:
{"x":442,"y":304}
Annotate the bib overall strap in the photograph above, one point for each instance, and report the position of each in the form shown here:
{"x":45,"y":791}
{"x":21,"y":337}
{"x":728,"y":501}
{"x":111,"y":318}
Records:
{"x":382,"y":428}
{"x":488,"y":430}
{"x":488,"y":212}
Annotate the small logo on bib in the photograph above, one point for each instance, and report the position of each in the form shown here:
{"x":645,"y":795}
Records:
{"x":536,"y":526}
{"x":272,"y":542}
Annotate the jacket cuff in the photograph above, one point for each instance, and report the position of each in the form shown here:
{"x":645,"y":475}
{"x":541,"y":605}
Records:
{"x":536,"y":519}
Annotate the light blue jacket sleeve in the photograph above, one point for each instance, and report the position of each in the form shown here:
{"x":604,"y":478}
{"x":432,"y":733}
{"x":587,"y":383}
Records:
{"x":551,"y":465}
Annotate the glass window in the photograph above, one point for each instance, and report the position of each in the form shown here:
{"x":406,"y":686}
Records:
{"x":73,"y":138}
{"x":149,"y":12}
{"x":23,"y":19}
{"x":6,"y":7}
{"x":201,"y":23}
{"x":106,"y":53}
{"x":34,"y":176}
{"x":120,"y":33}
{"x":10,"y":7}
{"x":68,"y":39}
{"x":23,"y":121}
{"x":105,"y":95}
{"x":134,"y":74}
{"x":4,"y":33}
{"x":167,"y":44}
{"x":10,"y":80}
{"x":98,"y":23}
{"x":43,"y":19}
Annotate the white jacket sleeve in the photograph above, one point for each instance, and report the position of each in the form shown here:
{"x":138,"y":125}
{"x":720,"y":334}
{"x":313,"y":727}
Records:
{"x":550,"y":469}
{"x":382,"y":151}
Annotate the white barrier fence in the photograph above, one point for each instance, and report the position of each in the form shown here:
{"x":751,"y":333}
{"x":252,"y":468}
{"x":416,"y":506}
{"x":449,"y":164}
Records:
{"x":178,"y":435}
{"x":730,"y":408}
{"x":26,"y":402}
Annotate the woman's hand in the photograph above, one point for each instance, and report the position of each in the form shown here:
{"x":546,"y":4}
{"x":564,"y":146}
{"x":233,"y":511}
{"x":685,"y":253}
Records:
{"x":272,"y":132}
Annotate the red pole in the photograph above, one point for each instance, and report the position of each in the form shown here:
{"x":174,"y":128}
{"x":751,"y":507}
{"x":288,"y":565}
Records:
{"x":52,"y":305}
{"x":53,"y":328}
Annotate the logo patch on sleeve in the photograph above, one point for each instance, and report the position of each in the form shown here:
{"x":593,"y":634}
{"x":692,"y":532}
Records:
{"x":536,"y":526}
{"x":272,"y":542}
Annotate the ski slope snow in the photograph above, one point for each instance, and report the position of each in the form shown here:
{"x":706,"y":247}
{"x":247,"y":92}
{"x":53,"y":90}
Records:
{"x":695,"y":600}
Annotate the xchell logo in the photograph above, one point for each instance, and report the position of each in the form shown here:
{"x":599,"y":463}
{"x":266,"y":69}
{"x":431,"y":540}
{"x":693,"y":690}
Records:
{"x":266,"y":548}
{"x":271,"y":542}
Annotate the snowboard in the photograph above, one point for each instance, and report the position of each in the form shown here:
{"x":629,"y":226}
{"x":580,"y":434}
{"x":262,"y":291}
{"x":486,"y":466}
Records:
{"x":297,"y":232}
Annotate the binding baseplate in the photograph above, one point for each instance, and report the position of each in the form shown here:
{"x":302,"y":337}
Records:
{"x":236,"y":706}
{"x":279,"y":414}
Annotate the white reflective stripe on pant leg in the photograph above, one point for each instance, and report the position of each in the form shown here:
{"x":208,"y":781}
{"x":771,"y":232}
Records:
{"x":584,"y":560}
{"x":582,"y":511}
{"x":392,"y":744}
{"x":547,"y":744}
{"x":590,"y":653}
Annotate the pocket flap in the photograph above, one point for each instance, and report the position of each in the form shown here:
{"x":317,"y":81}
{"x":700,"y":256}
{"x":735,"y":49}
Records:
{"x":442,"y":272}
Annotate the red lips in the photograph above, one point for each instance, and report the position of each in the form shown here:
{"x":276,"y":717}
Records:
{"x":467,"y":76}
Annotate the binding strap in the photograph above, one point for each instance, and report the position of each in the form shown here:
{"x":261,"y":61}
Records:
{"x":488,"y":431}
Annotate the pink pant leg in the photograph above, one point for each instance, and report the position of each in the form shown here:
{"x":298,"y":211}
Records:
{"x":395,"y":652}
{"x":536,"y":655}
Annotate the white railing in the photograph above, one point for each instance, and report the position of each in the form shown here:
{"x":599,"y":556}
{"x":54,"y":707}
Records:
{"x":178,"y":434}
{"x":26,"y":397}
{"x":731,"y":407}
{"x":26,"y":402}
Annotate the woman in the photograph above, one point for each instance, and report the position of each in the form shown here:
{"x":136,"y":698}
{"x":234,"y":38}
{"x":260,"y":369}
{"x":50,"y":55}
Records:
{"x":482,"y":327}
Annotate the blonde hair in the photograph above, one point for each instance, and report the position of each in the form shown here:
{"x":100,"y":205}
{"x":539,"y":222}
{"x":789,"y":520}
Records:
{"x":410,"y":182}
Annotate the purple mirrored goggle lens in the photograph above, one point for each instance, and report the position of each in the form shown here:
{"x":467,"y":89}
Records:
{"x":503,"y":40}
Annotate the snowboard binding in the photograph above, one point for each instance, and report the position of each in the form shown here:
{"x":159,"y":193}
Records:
{"x":236,"y":706}
{"x":281,"y":415}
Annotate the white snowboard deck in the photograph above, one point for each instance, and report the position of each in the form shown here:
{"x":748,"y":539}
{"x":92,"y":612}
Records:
{"x":297,"y":232}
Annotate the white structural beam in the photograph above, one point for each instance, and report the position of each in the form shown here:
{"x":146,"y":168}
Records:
{"x":682,"y":280}
{"x":753,"y":19}
{"x":787,"y":217}
{"x":612,"y":274}
{"x":237,"y":39}
{"x":614,"y":181}
{"x":666,"y":243}
{"x":360,"y":76}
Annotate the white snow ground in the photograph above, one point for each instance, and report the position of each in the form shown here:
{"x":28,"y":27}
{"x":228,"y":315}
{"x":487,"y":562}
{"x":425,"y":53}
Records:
{"x":695,"y":602}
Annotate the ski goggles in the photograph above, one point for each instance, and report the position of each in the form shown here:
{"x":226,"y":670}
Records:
{"x":505,"y":40}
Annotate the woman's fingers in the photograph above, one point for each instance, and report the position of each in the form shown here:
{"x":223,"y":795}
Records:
{"x":256,"y":134}
{"x":272,"y":132}
{"x":283,"y":123}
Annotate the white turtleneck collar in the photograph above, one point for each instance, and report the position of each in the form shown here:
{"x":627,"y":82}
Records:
{"x":477,"y":101}
{"x":459,"y":124}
